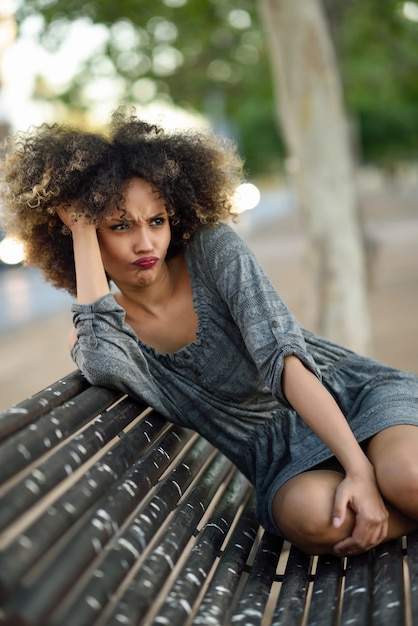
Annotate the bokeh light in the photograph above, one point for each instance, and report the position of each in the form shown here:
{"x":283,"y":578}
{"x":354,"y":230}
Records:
{"x":247,"y":197}
{"x":11,"y":251}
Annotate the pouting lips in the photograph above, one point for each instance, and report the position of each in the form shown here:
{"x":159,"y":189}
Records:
{"x":146,"y":261}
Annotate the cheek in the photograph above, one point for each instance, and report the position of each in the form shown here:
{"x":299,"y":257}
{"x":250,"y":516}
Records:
{"x":108,"y":251}
{"x":168,"y":235}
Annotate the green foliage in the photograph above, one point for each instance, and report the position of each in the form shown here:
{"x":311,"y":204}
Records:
{"x":377,"y":49}
{"x":211,"y":55}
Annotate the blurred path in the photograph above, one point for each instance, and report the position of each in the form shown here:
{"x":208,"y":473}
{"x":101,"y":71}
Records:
{"x":35,"y":356}
{"x":26,"y":297}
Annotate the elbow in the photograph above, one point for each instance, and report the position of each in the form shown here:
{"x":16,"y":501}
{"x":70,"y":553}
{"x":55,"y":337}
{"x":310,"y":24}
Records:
{"x":101,"y":378}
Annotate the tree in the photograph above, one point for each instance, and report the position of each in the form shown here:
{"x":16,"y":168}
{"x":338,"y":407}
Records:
{"x":376,"y":46}
{"x":314,"y":126}
{"x":211,"y":55}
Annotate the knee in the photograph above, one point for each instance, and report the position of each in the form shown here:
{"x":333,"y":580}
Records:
{"x":393,"y":453}
{"x":398,"y":483}
{"x":303,"y":512}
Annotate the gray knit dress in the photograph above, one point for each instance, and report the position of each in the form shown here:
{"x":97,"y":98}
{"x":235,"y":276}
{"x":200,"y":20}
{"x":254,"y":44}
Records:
{"x":227,"y":384}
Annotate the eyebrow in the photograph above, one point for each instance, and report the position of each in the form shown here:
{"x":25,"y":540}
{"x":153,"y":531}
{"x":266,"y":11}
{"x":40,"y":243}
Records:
{"x":128,"y":218}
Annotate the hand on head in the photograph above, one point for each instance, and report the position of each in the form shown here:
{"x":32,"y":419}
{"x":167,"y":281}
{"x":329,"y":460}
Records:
{"x":72,"y":219}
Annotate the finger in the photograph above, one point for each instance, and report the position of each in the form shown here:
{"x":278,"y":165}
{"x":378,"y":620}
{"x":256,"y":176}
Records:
{"x":340,"y":509}
{"x":347,"y":543}
{"x":350,"y":546}
{"x":359,"y":542}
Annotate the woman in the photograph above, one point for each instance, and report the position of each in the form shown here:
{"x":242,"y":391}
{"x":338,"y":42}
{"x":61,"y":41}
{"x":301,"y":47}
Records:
{"x":195,"y":329}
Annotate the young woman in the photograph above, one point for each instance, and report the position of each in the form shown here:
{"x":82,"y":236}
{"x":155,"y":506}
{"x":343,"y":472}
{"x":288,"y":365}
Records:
{"x":194,"y":328}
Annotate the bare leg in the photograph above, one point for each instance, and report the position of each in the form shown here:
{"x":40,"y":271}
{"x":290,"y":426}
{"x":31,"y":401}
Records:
{"x":394,"y":455}
{"x":303,"y":506}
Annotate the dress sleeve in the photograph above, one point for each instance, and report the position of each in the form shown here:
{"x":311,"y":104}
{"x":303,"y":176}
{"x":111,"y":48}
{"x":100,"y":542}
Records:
{"x":107,"y":350}
{"x":269,"y":330}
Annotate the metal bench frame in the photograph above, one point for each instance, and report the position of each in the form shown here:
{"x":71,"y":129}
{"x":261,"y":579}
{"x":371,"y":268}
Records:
{"x":111,"y":516}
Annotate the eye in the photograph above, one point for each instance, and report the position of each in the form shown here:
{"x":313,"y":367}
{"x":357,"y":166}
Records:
{"x":158,"y":221}
{"x":121,"y":226}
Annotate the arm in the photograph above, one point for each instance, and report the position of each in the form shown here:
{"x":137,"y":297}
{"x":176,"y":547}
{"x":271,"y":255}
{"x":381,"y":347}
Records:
{"x":358,"y":490}
{"x":91,"y":277}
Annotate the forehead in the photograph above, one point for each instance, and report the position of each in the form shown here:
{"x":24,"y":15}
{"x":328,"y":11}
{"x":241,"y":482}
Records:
{"x":138,"y":188}
{"x":139,"y":197}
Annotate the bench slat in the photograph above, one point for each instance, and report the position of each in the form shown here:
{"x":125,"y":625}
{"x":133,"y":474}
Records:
{"x":51,"y":429}
{"x":254,"y":597}
{"x":141,"y":593}
{"x":388,"y":589}
{"x":57,"y":467}
{"x":412,"y":544}
{"x":15,"y":418}
{"x":26,"y":550}
{"x":218,"y":601}
{"x":326,"y":590}
{"x":357,"y":600}
{"x":66,"y":566}
{"x":124,"y":554}
{"x":178,"y":605}
{"x":290,"y":606}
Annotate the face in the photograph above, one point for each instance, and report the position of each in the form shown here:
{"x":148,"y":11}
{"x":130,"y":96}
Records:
{"x":134,"y":242}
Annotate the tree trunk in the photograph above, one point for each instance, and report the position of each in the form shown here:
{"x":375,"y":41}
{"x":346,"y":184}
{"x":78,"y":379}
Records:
{"x":315,"y":130}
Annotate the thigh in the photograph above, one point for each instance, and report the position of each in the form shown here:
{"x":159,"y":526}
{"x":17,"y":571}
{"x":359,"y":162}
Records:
{"x":303,"y":507}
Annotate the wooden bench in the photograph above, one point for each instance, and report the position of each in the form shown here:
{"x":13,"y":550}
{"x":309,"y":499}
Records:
{"x":110,"y":515}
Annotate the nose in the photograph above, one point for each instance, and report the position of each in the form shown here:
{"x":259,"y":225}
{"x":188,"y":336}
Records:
{"x":143,"y":240}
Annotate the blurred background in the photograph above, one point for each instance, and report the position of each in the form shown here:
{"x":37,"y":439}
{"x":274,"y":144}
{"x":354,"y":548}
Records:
{"x":321,"y":99}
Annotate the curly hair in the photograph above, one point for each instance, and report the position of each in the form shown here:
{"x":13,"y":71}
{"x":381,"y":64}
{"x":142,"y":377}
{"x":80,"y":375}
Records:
{"x":52,"y":166}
